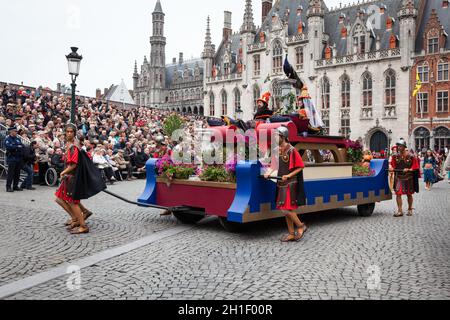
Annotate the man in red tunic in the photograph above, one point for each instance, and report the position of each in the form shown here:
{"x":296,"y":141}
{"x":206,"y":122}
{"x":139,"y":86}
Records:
{"x":290,"y":190}
{"x":406,"y":168}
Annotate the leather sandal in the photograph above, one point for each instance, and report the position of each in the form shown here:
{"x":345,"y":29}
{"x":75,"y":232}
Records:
{"x":80,"y":230}
{"x":299,"y":236}
{"x":288,"y":238}
{"x":410,"y":212}
{"x":87,"y":214}
{"x":398,"y":215}
{"x":73,"y":225}
{"x":69,"y":222}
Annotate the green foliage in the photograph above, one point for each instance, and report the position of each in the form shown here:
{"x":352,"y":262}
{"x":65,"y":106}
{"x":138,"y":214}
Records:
{"x":172,"y":123}
{"x":362,"y":171}
{"x":217,"y":174}
{"x":177,"y":172}
{"x":291,"y":98}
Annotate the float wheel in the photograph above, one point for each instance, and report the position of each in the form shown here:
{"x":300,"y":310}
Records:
{"x":366,"y":210}
{"x":232,"y":227}
{"x":188,"y":218}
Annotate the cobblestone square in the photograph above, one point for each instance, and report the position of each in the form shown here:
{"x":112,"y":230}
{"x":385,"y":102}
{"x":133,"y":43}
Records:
{"x":334,"y":261}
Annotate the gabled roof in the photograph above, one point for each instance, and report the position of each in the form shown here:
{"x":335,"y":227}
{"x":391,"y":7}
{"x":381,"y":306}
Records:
{"x":120,"y":94}
{"x":443,"y":15}
{"x":177,"y":67}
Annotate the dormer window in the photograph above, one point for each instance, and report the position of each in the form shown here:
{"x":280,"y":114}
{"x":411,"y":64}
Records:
{"x":328,"y":53}
{"x":389,"y":23}
{"x":359,"y":43}
{"x":393,"y":42}
{"x":344,"y":32}
{"x":433,"y":45}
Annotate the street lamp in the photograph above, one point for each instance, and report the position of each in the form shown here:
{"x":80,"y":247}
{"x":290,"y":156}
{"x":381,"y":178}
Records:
{"x":74,"y":61}
{"x":239,"y":113}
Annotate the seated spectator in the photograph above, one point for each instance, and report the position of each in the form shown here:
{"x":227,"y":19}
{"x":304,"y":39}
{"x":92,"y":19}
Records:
{"x":57,"y":161}
{"x":101,"y":163}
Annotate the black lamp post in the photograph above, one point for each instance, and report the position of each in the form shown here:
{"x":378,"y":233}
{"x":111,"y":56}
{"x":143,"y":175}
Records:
{"x":74,"y":61}
{"x":239,"y":113}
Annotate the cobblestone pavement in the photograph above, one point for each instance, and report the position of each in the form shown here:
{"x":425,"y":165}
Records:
{"x":33,"y":239}
{"x":333,"y":261}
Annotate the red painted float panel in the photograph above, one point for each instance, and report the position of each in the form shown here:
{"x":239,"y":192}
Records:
{"x":215,"y":201}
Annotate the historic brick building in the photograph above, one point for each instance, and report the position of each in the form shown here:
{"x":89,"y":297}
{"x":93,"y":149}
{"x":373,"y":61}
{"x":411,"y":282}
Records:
{"x":430,"y":114}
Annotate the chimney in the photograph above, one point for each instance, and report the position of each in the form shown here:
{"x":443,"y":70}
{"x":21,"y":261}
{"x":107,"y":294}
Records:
{"x":58,"y":87}
{"x":105,"y":91}
{"x":174,"y":60}
{"x":266,"y":7}
{"x":180,"y":58}
{"x":227,"y":28}
{"x":98,"y":93}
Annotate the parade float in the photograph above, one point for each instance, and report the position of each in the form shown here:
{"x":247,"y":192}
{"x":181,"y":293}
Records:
{"x":241,"y":195}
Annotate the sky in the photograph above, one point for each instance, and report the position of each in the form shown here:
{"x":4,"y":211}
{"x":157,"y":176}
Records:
{"x":110,"y":34}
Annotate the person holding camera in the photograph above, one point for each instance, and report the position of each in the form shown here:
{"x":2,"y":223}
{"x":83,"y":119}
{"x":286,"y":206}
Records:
{"x":14,"y":158}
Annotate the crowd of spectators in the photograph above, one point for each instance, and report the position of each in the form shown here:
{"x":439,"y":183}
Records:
{"x":119,"y":141}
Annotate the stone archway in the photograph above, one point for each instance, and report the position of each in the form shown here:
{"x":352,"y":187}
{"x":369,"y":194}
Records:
{"x":379,"y":141}
{"x":195,"y":110}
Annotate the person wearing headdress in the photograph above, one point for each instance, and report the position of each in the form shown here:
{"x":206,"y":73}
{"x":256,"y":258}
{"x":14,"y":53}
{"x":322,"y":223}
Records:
{"x":308,"y":111}
{"x":290,"y":190}
{"x":263,"y":113}
{"x":406,"y":170}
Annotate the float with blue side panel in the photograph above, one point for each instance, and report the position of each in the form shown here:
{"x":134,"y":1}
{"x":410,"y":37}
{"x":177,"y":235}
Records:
{"x":327,"y":185}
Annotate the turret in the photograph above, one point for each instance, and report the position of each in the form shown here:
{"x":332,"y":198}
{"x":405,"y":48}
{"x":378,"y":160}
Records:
{"x":407,"y":19}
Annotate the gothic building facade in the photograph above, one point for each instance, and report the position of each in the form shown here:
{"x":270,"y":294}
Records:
{"x":176,"y":86}
{"x":356,"y":61}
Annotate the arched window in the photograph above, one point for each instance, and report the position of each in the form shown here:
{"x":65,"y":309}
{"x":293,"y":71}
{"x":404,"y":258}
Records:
{"x":441,"y":138}
{"x":326,"y":88}
{"x":443,"y":70}
{"x":256,"y":95}
{"x":359,"y":39}
{"x":237,"y":100}
{"x":328,"y":53}
{"x":224,"y":103}
{"x":212,"y":105}
{"x":277,"y":57}
{"x":390,"y":88}
{"x":424,"y":72}
{"x":422,"y":138}
{"x":345,"y":92}
{"x":299,"y":57}
{"x":367,"y":93}
{"x":345,"y":106}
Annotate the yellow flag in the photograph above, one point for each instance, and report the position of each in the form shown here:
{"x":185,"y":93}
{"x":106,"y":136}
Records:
{"x":418,"y":85}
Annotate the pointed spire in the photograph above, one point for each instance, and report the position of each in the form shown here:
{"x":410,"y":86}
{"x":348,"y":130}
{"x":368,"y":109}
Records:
{"x":208,"y":51}
{"x":135,"y":68}
{"x":158,"y":7}
{"x":248,"y":25}
{"x":145,"y":60}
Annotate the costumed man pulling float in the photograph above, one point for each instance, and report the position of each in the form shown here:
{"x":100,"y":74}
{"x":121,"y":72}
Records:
{"x":290,"y":189}
{"x":406,"y":180}
{"x":79,"y":181}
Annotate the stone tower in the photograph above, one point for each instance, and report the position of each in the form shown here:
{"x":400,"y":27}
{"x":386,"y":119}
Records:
{"x":407,"y":18}
{"x":266,"y":7}
{"x":157,"y":58}
{"x":316,"y":27}
{"x":135,"y":77}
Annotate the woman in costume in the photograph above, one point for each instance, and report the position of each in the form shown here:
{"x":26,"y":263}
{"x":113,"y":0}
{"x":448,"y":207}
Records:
{"x":429,"y":167}
{"x":64,"y":196}
{"x":406,"y":168}
{"x":290,"y":190}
